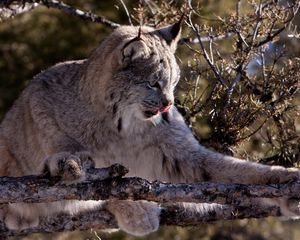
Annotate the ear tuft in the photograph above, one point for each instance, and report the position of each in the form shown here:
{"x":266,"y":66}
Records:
{"x":171,"y":34}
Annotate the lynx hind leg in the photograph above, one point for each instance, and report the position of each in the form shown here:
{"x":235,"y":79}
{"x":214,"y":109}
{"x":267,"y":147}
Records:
{"x":289,"y":208}
{"x":20,"y":216}
{"x":282,"y":175}
{"x":71,"y":167}
{"x":135,"y":217}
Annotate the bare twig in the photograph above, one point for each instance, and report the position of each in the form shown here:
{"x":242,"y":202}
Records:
{"x":205,"y":39}
{"x":253,"y":132}
{"x":269,"y":38}
{"x":15,"y":9}
{"x":152,"y":6}
{"x":258,"y":23}
{"x":294,"y":10}
{"x":126,"y":11}
{"x":231,"y":89}
{"x":205,"y":54}
{"x":79,"y":13}
{"x":61,"y":6}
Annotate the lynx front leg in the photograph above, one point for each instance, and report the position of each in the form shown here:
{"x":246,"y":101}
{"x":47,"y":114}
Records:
{"x":215,"y":167}
{"x":71,"y":167}
{"x":220,"y":168}
{"x":184,"y":159}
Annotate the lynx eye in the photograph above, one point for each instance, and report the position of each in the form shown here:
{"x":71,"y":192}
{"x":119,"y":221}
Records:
{"x":154,"y":85}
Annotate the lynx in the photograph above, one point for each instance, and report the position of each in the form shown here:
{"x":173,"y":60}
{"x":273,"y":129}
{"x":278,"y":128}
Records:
{"x":117,"y":106}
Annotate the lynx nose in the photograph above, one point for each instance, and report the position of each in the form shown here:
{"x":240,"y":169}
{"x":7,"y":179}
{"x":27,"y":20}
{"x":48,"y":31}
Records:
{"x":166,"y":102}
{"x":166,"y":105}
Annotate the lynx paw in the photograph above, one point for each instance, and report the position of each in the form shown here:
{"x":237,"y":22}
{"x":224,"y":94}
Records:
{"x":136,"y":218}
{"x":283,"y":175}
{"x":71,"y":167}
{"x":289,"y":207}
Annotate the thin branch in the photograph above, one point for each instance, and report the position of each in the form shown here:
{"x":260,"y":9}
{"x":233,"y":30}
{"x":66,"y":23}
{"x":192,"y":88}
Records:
{"x":19,"y":4}
{"x":15,"y":9}
{"x":263,"y":67}
{"x":231,"y":89}
{"x":242,"y":38}
{"x":154,"y":9}
{"x":269,"y":38}
{"x":258,"y":23}
{"x":295,"y":8}
{"x":205,"y":54}
{"x":205,"y":39}
{"x":79,"y":13}
{"x":253,"y":132}
{"x":126,"y":11}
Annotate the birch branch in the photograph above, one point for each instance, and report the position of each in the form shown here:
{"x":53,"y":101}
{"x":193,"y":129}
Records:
{"x":79,"y":13}
{"x":11,"y":8}
{"x":8,"y":10}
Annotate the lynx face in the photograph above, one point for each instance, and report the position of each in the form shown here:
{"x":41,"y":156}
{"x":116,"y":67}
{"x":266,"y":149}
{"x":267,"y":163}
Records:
{"x":152,"y":83}
{"x":149,"y":73}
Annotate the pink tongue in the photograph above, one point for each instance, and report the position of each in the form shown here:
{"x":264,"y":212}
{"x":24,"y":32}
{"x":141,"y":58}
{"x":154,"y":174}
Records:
{"x":157,"y":111}
{"x":165,"y":109}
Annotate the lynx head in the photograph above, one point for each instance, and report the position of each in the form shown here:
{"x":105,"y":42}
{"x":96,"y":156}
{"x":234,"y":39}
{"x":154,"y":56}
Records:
{"x":135,"y":72}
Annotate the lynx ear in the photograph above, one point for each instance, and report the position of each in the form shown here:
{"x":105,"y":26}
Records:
{"x":171,"y":34}
{"x":134,"y":49}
